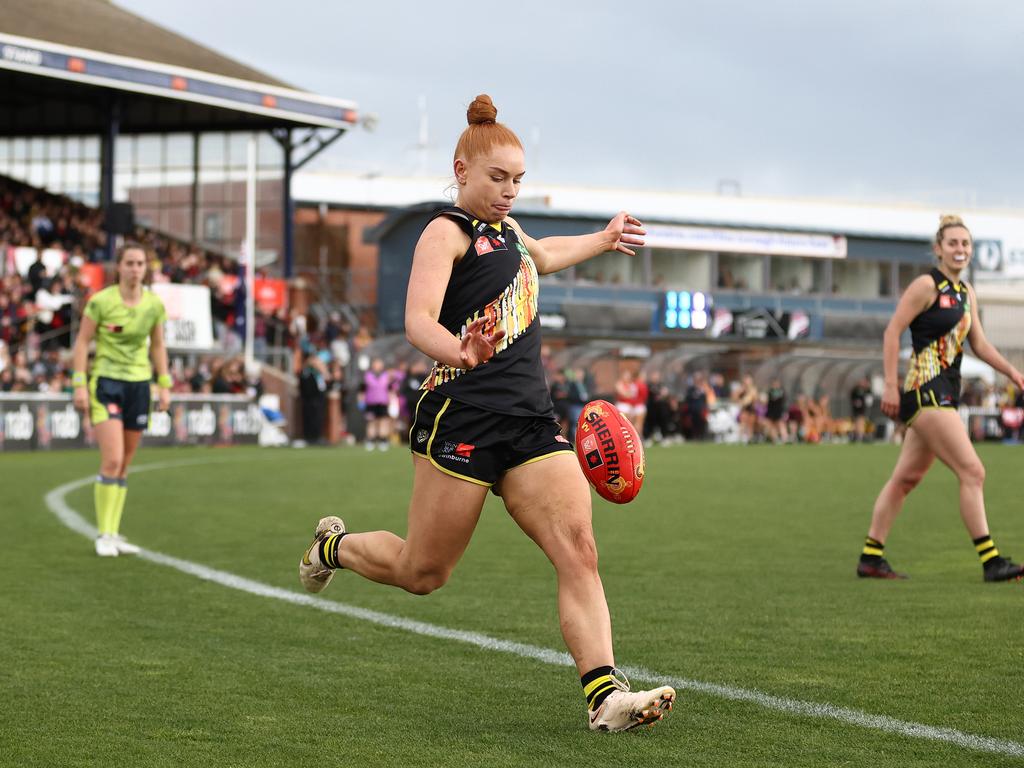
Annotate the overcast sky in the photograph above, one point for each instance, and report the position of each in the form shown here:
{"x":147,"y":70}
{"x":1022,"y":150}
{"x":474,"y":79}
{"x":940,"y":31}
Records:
{"x":916,"y":100}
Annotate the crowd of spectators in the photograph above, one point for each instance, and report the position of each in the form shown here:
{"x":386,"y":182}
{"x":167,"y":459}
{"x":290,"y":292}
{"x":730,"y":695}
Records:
{"x":40,"y":304}
{"x":705,"y":406}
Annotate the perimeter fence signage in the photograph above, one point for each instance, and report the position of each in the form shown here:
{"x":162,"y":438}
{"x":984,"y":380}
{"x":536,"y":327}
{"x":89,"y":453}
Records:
{"x":31,"y":421}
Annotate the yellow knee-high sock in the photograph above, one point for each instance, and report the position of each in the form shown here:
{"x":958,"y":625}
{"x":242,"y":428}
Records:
{"x":115,"y":518}
{"x":104,"y":493}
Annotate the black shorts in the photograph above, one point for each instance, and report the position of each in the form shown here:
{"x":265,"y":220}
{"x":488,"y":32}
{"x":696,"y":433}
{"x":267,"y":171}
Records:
{"x":480,"y":446}
{"x":127,"y":401}
{"x":376,"y":411}
{"x":941,"y":392}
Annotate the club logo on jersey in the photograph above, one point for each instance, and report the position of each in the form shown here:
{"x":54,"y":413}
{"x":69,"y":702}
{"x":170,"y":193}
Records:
{"x":113,"y":409}
{"x":114,"y":328}
{"x":483,"y":245}
{"x":421,"y":436}
{"x":946,"y":301}
{"x":462,"y":449}
{"x":560,"y":439}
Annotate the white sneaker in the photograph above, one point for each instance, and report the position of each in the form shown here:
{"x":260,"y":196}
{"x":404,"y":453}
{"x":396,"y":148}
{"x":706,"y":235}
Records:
{"x":623,"y":709}
{"x":105,"y":546}
{"x":314,"y":575}
{"x":123,"y":547}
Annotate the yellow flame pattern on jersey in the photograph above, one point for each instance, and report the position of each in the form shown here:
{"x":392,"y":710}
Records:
{"x":940,"y":354}
{"x":513,"y":312}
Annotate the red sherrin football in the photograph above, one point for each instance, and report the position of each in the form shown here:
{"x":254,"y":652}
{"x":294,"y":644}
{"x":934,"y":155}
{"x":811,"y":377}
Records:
{"x":610,"y":452}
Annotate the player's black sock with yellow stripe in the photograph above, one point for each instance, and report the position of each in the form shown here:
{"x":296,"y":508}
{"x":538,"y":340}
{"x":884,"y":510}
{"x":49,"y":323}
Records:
{"x":986,"y":549}
{"x":597,"y":684}
{"x":329,"y":550}
{"x":873,"y":551}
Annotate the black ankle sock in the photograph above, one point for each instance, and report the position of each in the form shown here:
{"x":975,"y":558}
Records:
{"x":329,"y":550}
{"x":873,"y":550}
{"x":597,"y":684}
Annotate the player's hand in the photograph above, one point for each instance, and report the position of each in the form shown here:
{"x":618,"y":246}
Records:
{"x":626,"y":230}
{"x":80,"y":399}
{"x":891,"y":401}
{"x":163,"y":400}
{"x":478,"y":348}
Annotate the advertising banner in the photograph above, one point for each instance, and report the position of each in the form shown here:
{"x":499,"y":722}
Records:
{"x":189,"y":323}
{"x":723,"y":240}
{"x":30,"y":421}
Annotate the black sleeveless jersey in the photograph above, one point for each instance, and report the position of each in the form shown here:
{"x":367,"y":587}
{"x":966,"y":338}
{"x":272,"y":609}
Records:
{"x":938,"y":333}
{"x":495,"y":279}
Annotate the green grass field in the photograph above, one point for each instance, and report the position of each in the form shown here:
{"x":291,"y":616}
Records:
{"x":734,"y":567}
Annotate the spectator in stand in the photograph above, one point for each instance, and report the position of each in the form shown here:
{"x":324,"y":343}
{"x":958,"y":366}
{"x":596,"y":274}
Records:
{"x":579,"y":396}
{"x":795,"y":419}
{"x":313,"y":395}
{"x":640,"y":403}
{"x":627,"y":394}
{"x":775,"y":414}
{"x":377,"y":390}
{"x":559,"y":391}
{"x":656,"y":425}
{"x":860,"y":400}
{"x":696,"y":407}
{"x":36,"y":275}
{"x":746,"y":397}
{"x":826,"y":424}
{"x":409,"y":391}
{"x":53,"y":315}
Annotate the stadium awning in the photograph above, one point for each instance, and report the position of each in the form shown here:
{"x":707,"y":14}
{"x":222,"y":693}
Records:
{"x":48,"y":88}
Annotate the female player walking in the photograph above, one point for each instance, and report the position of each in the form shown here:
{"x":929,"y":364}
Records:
{"x":942,"y":312}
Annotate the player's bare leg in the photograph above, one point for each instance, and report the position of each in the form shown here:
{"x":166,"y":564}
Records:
{"x":550,"y":500}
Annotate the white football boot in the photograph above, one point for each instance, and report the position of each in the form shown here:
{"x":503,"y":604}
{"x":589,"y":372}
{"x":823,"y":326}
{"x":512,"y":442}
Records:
{"x":314,"y":575}
{"x":123,"y":547}
{"x":623,"y":709}
{"x":105,"y":546}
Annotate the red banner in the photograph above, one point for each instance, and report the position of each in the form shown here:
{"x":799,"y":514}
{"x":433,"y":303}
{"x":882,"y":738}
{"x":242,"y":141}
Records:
{"x":93,"y":276}
{"x":271,"y":294}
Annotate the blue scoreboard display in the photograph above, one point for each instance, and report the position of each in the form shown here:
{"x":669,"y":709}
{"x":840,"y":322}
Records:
{"x":686,"y":311}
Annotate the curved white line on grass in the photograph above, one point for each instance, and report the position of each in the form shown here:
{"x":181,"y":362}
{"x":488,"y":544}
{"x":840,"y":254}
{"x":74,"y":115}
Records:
{"x":57,"y":504}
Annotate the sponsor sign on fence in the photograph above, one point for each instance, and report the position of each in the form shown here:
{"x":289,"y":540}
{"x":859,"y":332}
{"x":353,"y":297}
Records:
{"x":31,"y":421}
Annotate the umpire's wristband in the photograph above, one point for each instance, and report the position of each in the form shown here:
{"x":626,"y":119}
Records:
{"x":78,"y":379}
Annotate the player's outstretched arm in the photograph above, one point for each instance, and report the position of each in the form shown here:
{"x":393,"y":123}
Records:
{"x":552,"y":254}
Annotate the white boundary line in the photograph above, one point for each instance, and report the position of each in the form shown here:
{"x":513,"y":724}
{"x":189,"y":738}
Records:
{"x":55,"y":501}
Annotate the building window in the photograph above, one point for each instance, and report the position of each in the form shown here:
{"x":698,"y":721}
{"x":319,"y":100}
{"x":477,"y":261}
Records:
{"x":792,"y":274}
{"x":213,"y":227}
{"x":741,"y":272}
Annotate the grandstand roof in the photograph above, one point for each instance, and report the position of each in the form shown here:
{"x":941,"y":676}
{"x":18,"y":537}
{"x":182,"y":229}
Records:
{"x":100,"y":25}
{"x":63,"y":65}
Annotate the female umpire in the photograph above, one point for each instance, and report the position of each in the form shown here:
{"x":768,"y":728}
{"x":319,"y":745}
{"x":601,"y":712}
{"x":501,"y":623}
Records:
{"x":126,"y":320}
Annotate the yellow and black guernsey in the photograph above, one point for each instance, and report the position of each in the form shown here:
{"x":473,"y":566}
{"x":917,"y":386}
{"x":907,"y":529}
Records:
{"x":496,"y":279}
{"x":938,"y":334}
